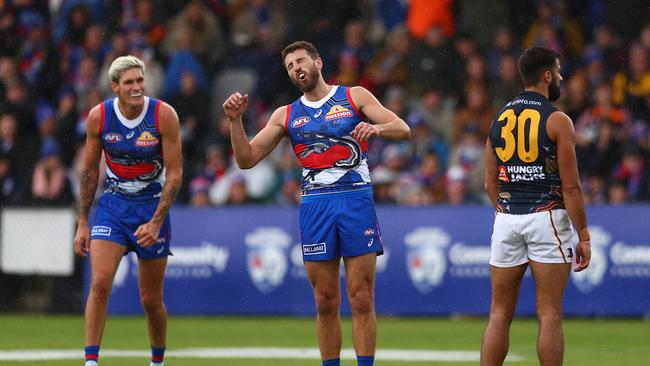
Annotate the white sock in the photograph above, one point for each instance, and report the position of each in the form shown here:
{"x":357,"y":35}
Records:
{"x":157,"y":363}
{"x":91,"y":363}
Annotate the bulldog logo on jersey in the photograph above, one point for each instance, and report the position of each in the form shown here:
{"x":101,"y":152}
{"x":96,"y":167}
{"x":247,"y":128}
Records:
{"x":266,"y":259}
{"x":146,"y":139}
{"x":337,"y":112}
{"x":425,"y":259}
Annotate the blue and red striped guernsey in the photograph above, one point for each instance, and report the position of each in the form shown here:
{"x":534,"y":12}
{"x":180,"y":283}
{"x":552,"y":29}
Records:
{"x":320,"y":136}
{"x":133,"y":150}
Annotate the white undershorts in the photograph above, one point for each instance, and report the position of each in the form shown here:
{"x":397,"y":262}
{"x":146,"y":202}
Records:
{"x":545,"y":237}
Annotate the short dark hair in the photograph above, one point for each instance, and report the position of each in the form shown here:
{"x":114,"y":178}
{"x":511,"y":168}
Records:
{"x":534,"y":61}
{"x":301,"y":45}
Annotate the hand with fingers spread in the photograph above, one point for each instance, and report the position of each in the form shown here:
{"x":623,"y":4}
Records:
{"x":82,"y":240}
{"x":235,"y":105}
{"x":364,"y":131}
{"x":147,"y":234}
{"x":583,"y":255}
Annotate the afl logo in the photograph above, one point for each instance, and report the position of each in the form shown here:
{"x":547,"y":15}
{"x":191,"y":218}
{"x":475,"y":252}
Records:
{"x":300,"y":121}
{"x":112,"y":138}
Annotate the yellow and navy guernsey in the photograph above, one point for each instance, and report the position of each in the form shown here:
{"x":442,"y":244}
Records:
{"x":526,"y":157}
{"x":133,"y":151}
{"x":331,"y":159}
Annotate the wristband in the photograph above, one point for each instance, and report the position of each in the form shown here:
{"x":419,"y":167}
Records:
{"x":585,"y":242}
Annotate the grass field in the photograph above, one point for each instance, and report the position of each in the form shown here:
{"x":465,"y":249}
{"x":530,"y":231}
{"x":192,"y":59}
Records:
{"x":588,"y":342}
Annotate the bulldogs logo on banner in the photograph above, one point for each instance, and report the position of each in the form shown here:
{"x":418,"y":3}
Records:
{"x":587,"y":280}
{"x":425,"y":258}
{"x":266,"y":259}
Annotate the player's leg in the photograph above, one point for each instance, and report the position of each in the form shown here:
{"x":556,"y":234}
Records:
{"x":360,"y":283}
{"x":105,"y":257}
{"x":550,"y":281}
{"x":506,"y":283}
{"x":150,"y":281}
{"x":325,"y":281}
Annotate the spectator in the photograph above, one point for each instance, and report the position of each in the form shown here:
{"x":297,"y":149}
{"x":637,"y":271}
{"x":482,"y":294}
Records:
{"x":632,"y":172}
{"x":508,"y":83}
{"x":198,"y":30}
{"x":261,"y":24}
{"x":424,"y":14}
{"x":431,"y":63}
{"x":478,"y":111}
{"x":49,"y":183}
{"x":633,"y":84}
{"x":9,"y":182}
{"x":390,"y":66}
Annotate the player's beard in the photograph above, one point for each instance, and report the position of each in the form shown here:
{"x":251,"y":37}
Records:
{"x":553,"y":92}
{"x":310,"y":82}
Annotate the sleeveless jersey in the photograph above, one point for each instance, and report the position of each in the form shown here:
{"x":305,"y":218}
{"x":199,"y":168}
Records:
{"x":133,"y":151}
{"x":320,"y":137}
{"x":526,"y":157}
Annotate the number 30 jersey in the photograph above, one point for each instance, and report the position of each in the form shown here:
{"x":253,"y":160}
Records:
{"x":133,"y":151}
{"x":320,"y":137}
{"x":526,"y":157}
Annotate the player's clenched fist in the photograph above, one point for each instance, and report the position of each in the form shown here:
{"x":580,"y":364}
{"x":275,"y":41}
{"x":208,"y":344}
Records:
{"x":234,"y":106}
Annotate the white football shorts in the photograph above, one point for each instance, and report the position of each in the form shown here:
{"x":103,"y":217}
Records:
{"x":545,"y":237}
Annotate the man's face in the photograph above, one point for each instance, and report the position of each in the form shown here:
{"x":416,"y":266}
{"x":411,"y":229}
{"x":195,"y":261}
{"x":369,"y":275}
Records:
{"x":303,"y":71}
{"x":130,"y":88}
{"x":554,"y":86}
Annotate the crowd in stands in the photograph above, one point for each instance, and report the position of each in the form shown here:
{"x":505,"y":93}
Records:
{"x":444,"y":66}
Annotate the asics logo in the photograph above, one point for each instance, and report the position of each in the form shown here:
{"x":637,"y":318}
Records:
{"x":318,"y":113}
{"x":370,"y":242}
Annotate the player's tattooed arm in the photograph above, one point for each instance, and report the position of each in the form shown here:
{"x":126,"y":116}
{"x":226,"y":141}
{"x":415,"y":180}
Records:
{"x":89,"y":176}
{"x":169,"y":127}
{"x":167,"y":198}
{"x":88,"y":180}
{"x":88,"y":187}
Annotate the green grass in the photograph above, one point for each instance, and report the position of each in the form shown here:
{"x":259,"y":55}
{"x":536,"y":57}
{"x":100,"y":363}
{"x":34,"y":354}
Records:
{"x":588,"y":342}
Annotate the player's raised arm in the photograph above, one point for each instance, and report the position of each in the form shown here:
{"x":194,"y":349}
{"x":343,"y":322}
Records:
{"x":248,"y":154}
{"x":168,"y":125}
{"x":560,"y":129}
{"x":385,"y":123}
{"x":491,"y":182}
{"x":88,"y":180}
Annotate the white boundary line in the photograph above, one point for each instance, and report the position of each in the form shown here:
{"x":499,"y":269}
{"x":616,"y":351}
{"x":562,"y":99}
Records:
{"x":252,"y":353}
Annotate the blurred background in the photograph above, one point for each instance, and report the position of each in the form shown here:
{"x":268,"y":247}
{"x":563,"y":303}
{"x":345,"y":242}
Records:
{"x":444,"y":66}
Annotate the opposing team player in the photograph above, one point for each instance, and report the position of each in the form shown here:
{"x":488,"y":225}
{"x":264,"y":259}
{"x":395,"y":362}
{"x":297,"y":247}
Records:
{"x":329,"y":135}
{"x":532,"y":181}
{"x":140,"y":139}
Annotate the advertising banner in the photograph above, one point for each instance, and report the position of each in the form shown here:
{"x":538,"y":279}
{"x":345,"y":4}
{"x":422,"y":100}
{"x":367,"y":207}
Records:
{"x":248,"y":260}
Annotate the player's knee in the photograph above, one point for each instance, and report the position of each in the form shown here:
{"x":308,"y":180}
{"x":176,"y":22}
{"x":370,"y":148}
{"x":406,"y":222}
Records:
{"x":100,"y":288}
{"x":327,"y":303}
{"x":150,"y":301}
{"x":549,"y":316}
{"x":361,"y":302}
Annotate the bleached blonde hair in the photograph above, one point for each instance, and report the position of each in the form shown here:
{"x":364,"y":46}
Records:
{"x":122,"y":64}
